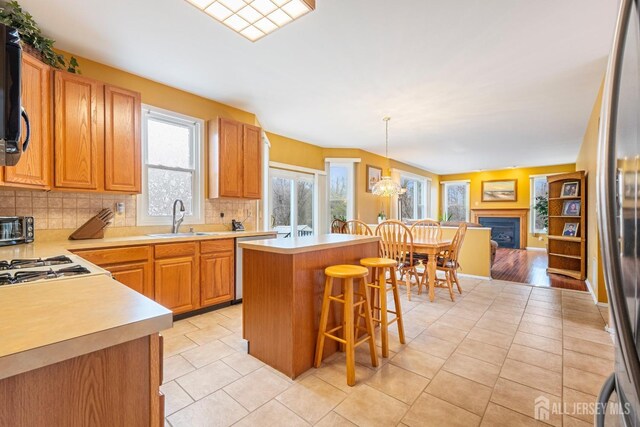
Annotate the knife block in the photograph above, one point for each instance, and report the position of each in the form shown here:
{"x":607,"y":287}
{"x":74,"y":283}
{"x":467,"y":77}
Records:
{"x":92,"y":229}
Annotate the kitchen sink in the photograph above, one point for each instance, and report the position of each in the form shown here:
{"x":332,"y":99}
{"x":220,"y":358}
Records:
{"x":190,"y":234}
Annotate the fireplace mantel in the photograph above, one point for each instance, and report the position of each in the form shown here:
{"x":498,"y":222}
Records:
{"x":522,"y":213}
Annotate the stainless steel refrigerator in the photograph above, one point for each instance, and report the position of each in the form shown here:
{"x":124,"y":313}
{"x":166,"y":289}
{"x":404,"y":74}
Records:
{"x":619,"y":213}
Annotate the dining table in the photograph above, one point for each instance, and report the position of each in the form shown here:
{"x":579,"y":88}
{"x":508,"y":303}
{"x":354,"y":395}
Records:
{"x":431,"y":248}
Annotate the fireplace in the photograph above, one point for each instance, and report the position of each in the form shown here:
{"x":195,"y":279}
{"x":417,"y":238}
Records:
{"x":504,"y":231}
{"x":480,"y":215}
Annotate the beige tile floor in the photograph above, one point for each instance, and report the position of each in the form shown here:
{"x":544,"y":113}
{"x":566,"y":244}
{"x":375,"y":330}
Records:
{"x":482,"y":360}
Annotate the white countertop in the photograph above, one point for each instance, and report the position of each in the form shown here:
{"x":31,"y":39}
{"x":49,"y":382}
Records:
{"x":296,"y":245}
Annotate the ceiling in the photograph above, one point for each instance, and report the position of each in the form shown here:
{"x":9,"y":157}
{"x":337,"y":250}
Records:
{"x":469,"y":84}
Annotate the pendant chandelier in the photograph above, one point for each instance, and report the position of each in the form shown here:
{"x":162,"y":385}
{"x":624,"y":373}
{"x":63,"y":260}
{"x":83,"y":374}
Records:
{"x":386,"y":187}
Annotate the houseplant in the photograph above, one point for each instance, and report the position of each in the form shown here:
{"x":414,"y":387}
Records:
{"x":12,"y":14}
{"x":542,"y":209}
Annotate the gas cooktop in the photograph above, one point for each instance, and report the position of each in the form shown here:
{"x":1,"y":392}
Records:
{"x":19,"y":271}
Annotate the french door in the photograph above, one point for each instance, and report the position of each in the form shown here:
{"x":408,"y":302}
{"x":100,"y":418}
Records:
{"x":292,"y":207}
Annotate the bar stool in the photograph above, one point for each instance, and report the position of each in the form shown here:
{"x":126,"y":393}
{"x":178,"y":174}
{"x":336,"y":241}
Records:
{"x":347,"y":273}
{"x":379,"y":286}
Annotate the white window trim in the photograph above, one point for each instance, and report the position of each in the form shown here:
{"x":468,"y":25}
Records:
{"x":426,"y":196}
{"x":532,"y":201}
{"x":351,"y":185}
{"x":292,"y":171}
{"x":444,"y":193}
{"x":198,"y":157}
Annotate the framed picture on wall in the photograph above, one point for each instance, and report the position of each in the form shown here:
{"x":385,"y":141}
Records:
{"x":374,"y":174}
{"x":505,"y":190}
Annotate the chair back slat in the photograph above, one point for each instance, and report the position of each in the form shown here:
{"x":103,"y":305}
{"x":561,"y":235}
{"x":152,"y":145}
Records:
{"x":426,"y":229}
{"x":337,"y":226}
{"x":456,"y":243}
{"x":356,"y":226}
{"x":396,"y":241}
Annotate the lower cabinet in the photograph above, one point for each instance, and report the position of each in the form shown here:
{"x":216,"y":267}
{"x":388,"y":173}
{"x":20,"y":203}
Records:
{"x":181,"y":276}
{"x":137,"y":276}
{"x":216,"y":272}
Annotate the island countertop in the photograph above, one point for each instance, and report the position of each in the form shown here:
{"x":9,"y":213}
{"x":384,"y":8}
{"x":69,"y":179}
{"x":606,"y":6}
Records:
{"x":298,"y":245}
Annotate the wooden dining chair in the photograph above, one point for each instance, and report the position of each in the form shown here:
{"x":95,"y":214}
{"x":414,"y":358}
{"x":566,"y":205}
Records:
{"x":448,"y":261}
{"x":337,"y":226}
{"x":396,"y":242}
{"x":424,"y":229}
{"x":356,"y":226}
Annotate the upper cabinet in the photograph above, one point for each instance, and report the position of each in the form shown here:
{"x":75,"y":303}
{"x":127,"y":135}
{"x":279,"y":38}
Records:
{"x":79,"y":132}
{"x":235,"y":160}
{"x":122,"y":140}
{"x":34,"y":168}
{"x":97,"y":136}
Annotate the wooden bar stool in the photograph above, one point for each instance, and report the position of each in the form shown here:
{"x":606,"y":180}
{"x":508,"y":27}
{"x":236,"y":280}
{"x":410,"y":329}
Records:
{"x":380,"y":267}
{"x":347,"y":273}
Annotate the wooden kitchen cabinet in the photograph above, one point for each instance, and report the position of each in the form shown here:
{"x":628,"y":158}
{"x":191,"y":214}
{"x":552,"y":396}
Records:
{"x":235,"y":160}
{"x":97,"y":143}
{"x":130,"y":265}
{"x":78,"y":132}
{"x":122,"y":161}
{"x":34,"y":169}
{"x":176,"y":276}
{"x":216,"y":272}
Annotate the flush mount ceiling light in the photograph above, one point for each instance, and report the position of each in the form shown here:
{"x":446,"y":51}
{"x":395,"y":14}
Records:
{"x":254,"y":19}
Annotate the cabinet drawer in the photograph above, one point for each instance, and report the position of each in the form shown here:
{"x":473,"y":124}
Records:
{"x":172,"y":250}
{"x":222,"y":245}
{"x":116,"y":255}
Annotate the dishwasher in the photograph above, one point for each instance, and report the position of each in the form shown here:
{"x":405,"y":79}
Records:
{"x":237,"y":297}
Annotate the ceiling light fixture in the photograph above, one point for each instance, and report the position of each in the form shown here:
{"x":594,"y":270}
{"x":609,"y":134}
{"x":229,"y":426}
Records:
{"x":386,"y":187}
{"x":254,"y":19}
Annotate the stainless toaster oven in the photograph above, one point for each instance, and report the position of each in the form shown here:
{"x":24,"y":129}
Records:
{"x":15,"y":230}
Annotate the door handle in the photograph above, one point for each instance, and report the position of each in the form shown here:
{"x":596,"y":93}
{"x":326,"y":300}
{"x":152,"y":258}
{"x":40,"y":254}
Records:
{"x":27,"y":137}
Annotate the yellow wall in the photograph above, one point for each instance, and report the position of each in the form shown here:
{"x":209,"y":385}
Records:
{"x":524,"y":196}
{"x":293,"y":152}
{"x":587,"y":160}
{"x":162,"y":96}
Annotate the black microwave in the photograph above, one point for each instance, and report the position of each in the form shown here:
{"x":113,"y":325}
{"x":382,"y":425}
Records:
{"x":11,"y":111}
{"x":15,"y":230}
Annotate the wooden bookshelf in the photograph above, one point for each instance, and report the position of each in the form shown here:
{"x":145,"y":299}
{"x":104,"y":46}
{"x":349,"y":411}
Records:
{"x":567,"y":254}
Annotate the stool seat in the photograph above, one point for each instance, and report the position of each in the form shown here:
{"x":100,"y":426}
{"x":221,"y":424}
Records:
{"x":346,"y":271}
{"x":378,"y":262}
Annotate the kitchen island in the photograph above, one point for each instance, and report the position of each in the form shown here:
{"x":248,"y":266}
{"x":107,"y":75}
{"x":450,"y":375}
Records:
{"x":283,"y":287}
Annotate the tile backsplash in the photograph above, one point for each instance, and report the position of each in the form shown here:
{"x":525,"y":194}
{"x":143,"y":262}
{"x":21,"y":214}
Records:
{"x":61,"y":210}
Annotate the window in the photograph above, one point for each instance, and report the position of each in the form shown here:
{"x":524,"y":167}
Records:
{"x":539,"y":214}
{"x":414,"y":204}
{"x":172,"y":168}
{"x":455,"y":203}
{"x":341,"y":190}
{"x":291,"y":203}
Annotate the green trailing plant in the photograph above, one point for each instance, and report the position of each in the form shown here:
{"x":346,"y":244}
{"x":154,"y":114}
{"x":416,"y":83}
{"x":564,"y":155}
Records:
{"x":12,"y":14}
{"x":542,"y":208}
{"x":445,"y":217}
{"x":340,"y":218}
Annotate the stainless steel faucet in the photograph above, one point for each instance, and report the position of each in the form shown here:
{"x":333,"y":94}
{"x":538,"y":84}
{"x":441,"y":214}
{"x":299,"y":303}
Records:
{"x":176,"y":222}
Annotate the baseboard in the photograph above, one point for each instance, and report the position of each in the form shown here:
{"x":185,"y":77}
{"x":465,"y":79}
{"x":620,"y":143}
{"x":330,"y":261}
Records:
{"x":472,"y":276}
{"x":593,"y":295}
{"x":533,"y":248}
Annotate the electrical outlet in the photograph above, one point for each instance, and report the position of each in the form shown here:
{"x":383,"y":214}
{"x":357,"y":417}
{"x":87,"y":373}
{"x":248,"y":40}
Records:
{"x":221,"y":214}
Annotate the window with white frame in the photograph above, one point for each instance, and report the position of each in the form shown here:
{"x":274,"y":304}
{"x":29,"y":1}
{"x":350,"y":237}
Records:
{"x":539,"y":204}
{"x":341,"y":190}
{"x":172,"y":167}
{"x":414,"y":203}
{"x":455,"y":200}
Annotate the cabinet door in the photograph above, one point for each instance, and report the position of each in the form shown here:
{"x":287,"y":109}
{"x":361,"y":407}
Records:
{"x":175,"y":280}
{"x":79,"y":132}
{"x":122,"y":163}
{"x":230,"y":157}
{"x":33,"y":170}
{"x":216,"y":278}
{"x":137,"y":276}
{"x":252,"y":158}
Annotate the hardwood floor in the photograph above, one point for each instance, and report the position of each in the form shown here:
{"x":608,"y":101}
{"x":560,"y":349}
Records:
{"x":516,"y":265}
